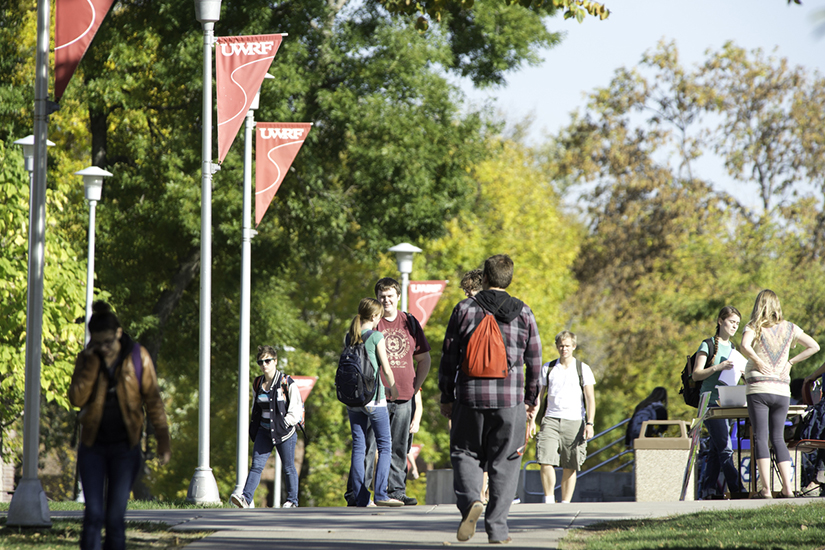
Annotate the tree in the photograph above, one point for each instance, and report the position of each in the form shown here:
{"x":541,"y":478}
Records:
{"x":665,"y":249}
{"x":515,"y":211}
{"x":435,"y":10}
{"x":387,"y":160}
{"x":64,"y":295}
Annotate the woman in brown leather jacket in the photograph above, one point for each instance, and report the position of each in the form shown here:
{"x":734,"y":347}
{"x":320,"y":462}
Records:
{"x":113,"y":379}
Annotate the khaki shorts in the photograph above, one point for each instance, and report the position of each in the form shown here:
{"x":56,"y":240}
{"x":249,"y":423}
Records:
{"x":561,"y":443}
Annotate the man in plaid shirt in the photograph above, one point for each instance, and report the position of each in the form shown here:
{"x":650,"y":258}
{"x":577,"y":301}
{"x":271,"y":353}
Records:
{"x":489,"y":415}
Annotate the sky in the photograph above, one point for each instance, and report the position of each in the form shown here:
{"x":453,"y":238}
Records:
{"x":591,"y":52}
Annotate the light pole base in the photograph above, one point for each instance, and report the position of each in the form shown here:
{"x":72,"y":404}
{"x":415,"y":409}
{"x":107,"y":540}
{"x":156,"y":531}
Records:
{"x":203,"y":489}
{"x":28,"y":506}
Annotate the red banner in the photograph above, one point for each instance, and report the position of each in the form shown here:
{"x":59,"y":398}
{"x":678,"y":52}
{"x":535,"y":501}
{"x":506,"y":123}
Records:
{"x":423,"y":296}
{"x":241,"y":63}
{"x":276,"y":147}
{"x":75,"y":24}
{"x":305,"y":385}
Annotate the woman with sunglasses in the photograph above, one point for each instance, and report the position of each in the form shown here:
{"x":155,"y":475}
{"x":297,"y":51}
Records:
{"x":276,"y":411}
{"x":114,"y":379}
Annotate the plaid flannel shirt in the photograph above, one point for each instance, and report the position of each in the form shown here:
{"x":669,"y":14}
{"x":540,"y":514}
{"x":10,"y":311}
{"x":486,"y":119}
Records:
{"x":523,"y":346}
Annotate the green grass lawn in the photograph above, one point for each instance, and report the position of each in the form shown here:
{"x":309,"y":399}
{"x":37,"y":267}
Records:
{"x":65,"y":533}
{"x":785,"y":527}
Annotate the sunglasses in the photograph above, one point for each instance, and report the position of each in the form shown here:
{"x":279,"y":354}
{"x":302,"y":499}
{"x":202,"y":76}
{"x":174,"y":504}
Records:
{"x":266,"y":361}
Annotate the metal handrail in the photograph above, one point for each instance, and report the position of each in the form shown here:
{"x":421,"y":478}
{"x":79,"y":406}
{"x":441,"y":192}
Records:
{"x":625,"y":465}
{"x":608,"y":461}
{"x":621,"y":439}
{"x":581,"y":474}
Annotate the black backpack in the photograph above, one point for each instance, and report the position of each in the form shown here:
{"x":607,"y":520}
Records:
{"x":691,"y":390}
{"x":355,"y":380}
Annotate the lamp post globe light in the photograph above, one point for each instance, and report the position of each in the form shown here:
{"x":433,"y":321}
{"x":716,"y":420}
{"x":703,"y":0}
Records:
{"x":29,"y":507}
{"x":92,"y":187}
{"x":203,"y":489}
{"x":404,"y":256}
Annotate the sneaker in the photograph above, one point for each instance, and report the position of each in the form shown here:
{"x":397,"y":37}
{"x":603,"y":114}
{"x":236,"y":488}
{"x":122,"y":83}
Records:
{"x":467,"y":527}
{"x":289,"y":504}
{"x":408,"y":501}
{"x":508,"y":540}
{"x":371,"y":504}
{"x":550,"y":500}
{"x":394,"y":502}
{"x":239,"y":501}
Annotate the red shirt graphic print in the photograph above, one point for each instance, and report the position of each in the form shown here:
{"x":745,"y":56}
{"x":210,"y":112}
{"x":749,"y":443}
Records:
{"x":401,"y":347}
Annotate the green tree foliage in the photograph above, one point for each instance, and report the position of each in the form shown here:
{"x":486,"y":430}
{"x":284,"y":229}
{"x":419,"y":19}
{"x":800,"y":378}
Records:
{"x":64,"y":293}
{"x":388,"y":160}
{"x":466,"y":10}
{"x":666,"y":249}
{"x":515,"y":211}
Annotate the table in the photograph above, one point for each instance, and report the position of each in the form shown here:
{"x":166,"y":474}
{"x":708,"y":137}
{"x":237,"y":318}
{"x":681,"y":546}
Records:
{"x":740,"y":413}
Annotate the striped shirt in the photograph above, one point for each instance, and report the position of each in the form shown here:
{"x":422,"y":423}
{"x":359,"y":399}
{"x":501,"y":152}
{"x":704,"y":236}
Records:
{"x":522,"y":344}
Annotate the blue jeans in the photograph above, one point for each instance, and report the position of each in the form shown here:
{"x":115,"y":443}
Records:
{"x":359,"y":420}
{"x":720,"y":457}
{"x":260,"y":454}
{"x":400,"y":417}
{"x":107,"y":472}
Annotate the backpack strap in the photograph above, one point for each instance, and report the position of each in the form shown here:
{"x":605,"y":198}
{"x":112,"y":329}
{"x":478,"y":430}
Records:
{"x":137,"y":363}
{"x":412,"y":324}
{"x":581,"y":376}
{"x":578,"y":370}
{"x":711,"y":350}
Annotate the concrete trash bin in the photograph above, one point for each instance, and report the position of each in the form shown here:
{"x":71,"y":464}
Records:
{"x":660,"y":464}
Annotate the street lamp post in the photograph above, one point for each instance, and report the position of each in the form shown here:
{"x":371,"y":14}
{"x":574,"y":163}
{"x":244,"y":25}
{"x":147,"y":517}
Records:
{"x":92,"y":186}
{"x":203,"y":489}
{"x":404,"y":256}
{"x":28,"y":507}
{"x":242,"y":468}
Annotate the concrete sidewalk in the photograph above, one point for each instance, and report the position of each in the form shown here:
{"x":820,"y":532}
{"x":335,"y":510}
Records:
{"x":532,"y":526}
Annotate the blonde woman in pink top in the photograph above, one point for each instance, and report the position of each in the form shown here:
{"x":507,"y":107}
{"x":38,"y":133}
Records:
{"x":767,"y":342}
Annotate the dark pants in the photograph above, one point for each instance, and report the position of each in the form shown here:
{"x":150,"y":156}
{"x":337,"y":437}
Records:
{"x":488,"y":437}
{"x":107,"y":472}
{"x":400,"y":418}
{"x":260,"y":454}
{"x":768,"y":412}
{"x":720,"y":457}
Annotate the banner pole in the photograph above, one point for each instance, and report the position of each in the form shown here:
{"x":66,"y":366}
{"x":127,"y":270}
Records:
{"x":246,"y":288}
{"x":28,"y":507}
{"x":203,"y":489}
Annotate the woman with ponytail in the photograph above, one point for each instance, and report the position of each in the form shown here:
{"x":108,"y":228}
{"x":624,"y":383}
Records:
{"x":375,"y":412}
{"x":114,"y":380}
{"x":707,"y":369}
{"x":767,"y":343}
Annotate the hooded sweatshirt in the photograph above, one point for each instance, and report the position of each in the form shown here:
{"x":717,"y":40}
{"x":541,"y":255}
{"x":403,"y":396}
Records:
{"x":521,"y":341}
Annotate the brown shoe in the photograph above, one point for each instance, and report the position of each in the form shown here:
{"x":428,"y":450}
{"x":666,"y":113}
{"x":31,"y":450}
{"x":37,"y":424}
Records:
{"x":467,"y":527}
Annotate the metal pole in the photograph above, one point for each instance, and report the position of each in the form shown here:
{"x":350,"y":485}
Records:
{"x":246,"y":286}
{"x":203,"y":489}
{"x":28,"y":506}
{"x":90,"y":267}
{"x":276,"y":500}
{"x":405,"y":286}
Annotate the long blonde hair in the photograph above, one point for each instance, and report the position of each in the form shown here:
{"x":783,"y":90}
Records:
{"x":766,"y":313}
{"x":366,"y":310}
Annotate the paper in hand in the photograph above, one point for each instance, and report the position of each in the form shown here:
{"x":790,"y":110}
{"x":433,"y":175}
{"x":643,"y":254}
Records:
{"x":730,"y":377}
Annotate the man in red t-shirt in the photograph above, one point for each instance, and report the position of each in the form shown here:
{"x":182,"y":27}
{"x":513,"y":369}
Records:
{"x":409,"y":355}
